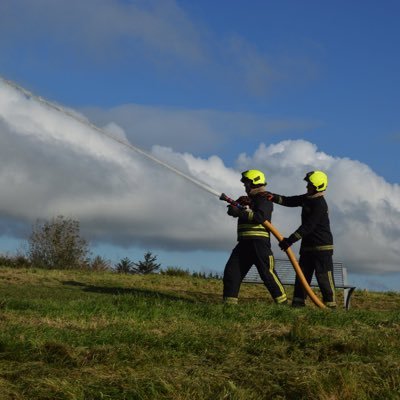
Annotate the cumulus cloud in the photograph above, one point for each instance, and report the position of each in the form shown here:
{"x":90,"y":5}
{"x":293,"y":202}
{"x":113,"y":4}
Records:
{"x":364,"y":208}
{"x":51,"y":164}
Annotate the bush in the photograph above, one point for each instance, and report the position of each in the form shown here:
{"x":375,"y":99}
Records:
{"x":99,"y":264}
{"x":204,"y":275}
{"x":16,"y":261}
{"x":57,"y":244}
{"x":175,"y":271}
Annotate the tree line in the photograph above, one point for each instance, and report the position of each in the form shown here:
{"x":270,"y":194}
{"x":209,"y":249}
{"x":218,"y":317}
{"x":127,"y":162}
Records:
{"x":57,"y":244}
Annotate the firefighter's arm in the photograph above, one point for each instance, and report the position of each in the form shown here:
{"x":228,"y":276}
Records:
{"x":261,"y":210}
{"x":304,"y":229}
{"x":236,"y":212}
{"x":287,"y":201}
{"x":285,"y":243}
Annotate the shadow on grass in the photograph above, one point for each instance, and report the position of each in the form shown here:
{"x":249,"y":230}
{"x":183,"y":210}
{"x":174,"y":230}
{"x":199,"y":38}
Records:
{"x":180,"y":295}
{"x":119,"y":291}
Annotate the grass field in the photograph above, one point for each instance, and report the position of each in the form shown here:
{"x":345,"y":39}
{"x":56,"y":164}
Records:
{"x":82,"y":335}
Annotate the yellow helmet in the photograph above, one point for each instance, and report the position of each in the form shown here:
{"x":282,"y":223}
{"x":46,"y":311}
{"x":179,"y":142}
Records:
{"x":318,"y":179}
{"x":255,"y":176}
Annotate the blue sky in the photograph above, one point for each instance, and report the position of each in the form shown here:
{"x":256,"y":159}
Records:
{"x":212,"y":87}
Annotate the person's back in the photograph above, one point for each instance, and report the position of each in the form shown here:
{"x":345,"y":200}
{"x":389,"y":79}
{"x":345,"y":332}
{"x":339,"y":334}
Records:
{"x":315,"y":215}
{"x":314,"y":231}
{"x":316,"y":247}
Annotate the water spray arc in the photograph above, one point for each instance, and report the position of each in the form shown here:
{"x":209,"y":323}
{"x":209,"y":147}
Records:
{"x":198,"y":183}
{"x":105,"y":133}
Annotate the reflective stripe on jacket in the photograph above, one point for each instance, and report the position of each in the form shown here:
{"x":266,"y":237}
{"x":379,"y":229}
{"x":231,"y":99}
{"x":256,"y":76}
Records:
{"x":250,"y":224}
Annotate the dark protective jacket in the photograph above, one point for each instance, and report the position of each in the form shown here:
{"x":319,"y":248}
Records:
{"x":250,"y":221}
{"x":314,"y":231}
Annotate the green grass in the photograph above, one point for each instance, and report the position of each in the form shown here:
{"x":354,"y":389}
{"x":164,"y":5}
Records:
{"x":82,"y":335}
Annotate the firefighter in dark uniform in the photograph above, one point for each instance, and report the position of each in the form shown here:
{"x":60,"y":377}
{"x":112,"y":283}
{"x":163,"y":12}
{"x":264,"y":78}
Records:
{"x":316,"y":247}
{"x":254,"y":245}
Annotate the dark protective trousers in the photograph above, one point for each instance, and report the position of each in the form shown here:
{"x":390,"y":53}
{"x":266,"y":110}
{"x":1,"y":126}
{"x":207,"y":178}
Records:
{"x":246,"y":254}
{"x":322,"y":264}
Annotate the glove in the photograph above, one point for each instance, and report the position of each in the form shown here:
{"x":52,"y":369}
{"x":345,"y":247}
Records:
{"x":285,"y":243}
{"x":233,"y":211}
{"x":244,"y":201}
{"x":270,"y":196}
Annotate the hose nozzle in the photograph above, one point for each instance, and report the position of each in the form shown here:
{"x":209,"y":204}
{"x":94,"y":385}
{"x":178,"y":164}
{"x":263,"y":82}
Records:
{"x":223,"y":197}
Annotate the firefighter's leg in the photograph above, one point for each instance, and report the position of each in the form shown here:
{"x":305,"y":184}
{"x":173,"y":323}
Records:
{"x":324,"y":275}
{"x":299,"y":294}
{"x":233,"y":275}
{"x":264,"y":261}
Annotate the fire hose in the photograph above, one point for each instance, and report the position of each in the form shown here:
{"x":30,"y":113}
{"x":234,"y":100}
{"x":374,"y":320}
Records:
{"x":289,"y":253}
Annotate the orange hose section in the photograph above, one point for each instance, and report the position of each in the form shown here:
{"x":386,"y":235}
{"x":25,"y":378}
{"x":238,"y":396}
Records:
{"x":296,"y":266}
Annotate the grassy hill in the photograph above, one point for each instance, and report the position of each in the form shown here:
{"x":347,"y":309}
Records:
{"x":82,"y":335}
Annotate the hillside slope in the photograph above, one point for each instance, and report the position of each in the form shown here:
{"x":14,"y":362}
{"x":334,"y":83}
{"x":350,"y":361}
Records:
{"x":82,"y":335}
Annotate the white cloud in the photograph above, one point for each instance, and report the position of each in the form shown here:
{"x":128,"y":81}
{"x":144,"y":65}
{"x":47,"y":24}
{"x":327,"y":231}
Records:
{"x":51,"y":164}
{"x":364,"y":208}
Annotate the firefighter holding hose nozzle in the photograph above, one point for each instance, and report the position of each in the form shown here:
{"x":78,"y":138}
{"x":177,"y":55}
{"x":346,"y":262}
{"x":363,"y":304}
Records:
{"x":254,"y":244}
{"x":316,"y":247}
